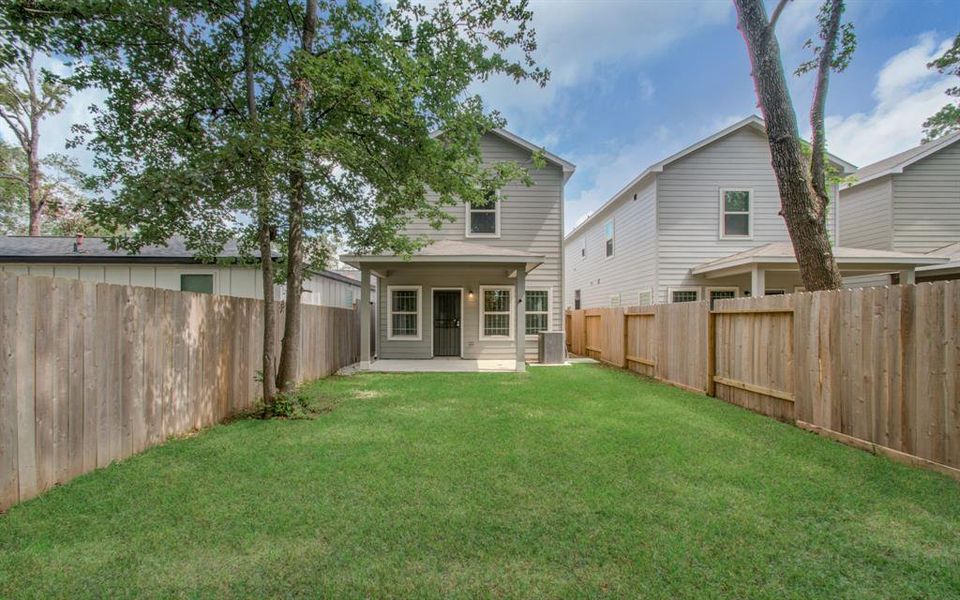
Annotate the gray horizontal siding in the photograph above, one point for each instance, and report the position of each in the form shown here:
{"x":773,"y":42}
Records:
{"x":866,"y":215}
{"x":631,"y":269}
{"x":469,"y":279}
{"x":926,"y":211}
{"x":688,"y":206}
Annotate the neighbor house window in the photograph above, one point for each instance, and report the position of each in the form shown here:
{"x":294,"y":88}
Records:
{"x":777,"y":292}
{"x":684,"y":294}
{"x":608,"y":239}
{"x":583,"y":246}
{"x":538,"y":311}
{"x":202,"y":284}
{"x":496,"y":312}
{"x":721,"y":293}
{"x":576,"y":299}
{"x":615,"y":300}
{"x":403,"y":312}
{"x":645,"y":297}
{"x":735,"y":209}
{"x":483,"y":220}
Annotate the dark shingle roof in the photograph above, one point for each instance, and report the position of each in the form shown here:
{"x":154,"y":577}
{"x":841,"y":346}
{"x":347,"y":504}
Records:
{"x":94,"y":249}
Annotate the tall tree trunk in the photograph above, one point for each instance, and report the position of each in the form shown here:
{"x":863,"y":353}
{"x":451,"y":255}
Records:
{"x":290,"y":350}
{"x":802,"y":208}
{"x":268,"y":362}
{"x":34,"y":193}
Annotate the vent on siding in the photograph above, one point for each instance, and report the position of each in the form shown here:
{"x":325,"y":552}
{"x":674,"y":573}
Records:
{"x":615,"y":300}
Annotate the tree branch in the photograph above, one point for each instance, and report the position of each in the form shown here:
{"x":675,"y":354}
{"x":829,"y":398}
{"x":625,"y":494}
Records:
{"x":775,"y":16}
{"x":818,"y":106}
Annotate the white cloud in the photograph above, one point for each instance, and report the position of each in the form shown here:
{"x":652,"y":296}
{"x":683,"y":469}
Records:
{"x":906,"y":94}
{"x":576,"y":40}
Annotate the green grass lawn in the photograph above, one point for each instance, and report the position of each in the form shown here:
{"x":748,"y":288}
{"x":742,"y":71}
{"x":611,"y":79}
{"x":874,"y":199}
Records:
{"x":563,"y":482}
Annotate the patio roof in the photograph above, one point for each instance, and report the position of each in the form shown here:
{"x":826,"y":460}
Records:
{"x":951,"y":252}
{"x":779,"y":256}
{"x":451,"y":252}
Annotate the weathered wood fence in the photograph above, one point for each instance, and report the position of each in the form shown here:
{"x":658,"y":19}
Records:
{"x":91,"y":372}
{"x":878,"y":368}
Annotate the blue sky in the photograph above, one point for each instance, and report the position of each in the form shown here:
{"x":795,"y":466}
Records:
{"x":636,"y":80}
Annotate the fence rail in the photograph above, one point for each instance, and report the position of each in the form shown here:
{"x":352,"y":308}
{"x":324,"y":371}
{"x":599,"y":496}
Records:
{"x":91,"y":372}
{"x":874,"y":367}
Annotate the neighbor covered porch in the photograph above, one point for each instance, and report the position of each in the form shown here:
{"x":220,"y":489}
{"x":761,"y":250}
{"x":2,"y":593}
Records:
{"x":772,"y":269}
{"x":451,"y":306}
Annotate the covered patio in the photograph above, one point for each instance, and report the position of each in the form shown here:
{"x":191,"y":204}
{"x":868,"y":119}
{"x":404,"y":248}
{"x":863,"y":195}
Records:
{"x":772,"y":268}
{"x":450,"y":306}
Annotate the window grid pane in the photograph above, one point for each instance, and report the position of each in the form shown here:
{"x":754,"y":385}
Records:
{"x":404,"y":324}
{"x":736,"y":201}
{"x":496,"y":300}
{"x":405,"y":301}
{"x":537,"y":301}
{"x":496,"y":324}
{"x":536,"y":323}
{"x":736,"y":224}
{"x":684,"y":296}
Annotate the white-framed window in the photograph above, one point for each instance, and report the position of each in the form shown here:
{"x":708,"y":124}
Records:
{"x":721,"y":293}
{"x":615,"y":300}
{"x":583,"y":246}
{"x":537,"y":307}
{"x":645,"y":297}
{"x":576,"y":299}
{"x":496,"y":312}
{"x":483,"y":220}
{"x":404,"y":312}
{"x":775,"y":292}
{"x":736,"y":213}
{"x":683,"y":294}
{"x":608,"y":239}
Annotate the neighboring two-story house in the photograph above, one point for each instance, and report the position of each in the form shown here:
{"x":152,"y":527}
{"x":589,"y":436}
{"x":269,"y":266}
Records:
{"x":909,"y":202}
{"x":701,"y":224}
{"x":491,"y":279}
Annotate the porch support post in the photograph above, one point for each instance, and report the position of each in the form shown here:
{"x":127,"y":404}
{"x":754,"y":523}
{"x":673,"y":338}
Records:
{"x":757,"y":282}
{"x":364,"y":318}
{"x":908,"y":276}
{"x":521,"y":320}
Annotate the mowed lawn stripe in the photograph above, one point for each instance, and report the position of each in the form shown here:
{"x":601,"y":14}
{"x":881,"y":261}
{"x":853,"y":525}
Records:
{"x":580,"y":481}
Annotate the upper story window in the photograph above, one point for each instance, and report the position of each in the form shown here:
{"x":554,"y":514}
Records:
{"x":736,"y":213}
{"x":583,"y":246}
{"x":608,"y":239}
{"x":483,"y":220}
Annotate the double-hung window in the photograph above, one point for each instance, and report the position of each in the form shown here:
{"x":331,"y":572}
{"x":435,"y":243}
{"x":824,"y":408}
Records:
{"x":608,"y":239}
{"x":496,"y":312}
{"x":537,"y":311}
{"x":403,"y":308}
{"x":483,"y":220}
{"x":736,"y":209}
{"x":684,"y":294}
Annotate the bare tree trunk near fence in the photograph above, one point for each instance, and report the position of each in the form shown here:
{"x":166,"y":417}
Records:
{"x":91,"y":372}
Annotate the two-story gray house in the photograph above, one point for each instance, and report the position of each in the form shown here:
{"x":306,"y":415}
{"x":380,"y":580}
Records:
{"x":491,"y":279}
{"x":701,"y":224}
{"x":909,"y":202}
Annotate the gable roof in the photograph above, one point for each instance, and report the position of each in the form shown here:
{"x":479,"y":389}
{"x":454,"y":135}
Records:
{"x":566,"y":166}
{"x":752,"y":122}
{"x":898,"y":162}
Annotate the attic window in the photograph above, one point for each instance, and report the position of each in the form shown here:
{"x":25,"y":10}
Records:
{"x":483,"y":220}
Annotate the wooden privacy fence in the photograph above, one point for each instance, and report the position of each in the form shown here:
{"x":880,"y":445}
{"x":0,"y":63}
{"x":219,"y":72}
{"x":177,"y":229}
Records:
{"x":878,"y":368}
{"x":91,"y":372}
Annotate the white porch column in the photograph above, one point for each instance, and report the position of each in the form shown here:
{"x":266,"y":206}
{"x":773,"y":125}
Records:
{"x":520,"y":334}
{"x":364,"y":318}
{"x":757,"y":282}
{"x":908,"y":276}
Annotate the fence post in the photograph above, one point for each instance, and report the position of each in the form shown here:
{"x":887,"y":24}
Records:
{"x":626,"y":334}
{"x":711,"y":351}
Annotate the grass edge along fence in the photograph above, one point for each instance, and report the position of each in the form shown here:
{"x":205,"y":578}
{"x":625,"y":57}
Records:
{"x":877,"y":368}
{"x":92,"y":372}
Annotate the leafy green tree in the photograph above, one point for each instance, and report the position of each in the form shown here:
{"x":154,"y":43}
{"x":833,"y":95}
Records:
{"x":27,"y":97}
{"x":13,"y":189}
{"x":287,"y":122}
{"x":947,"y":119}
